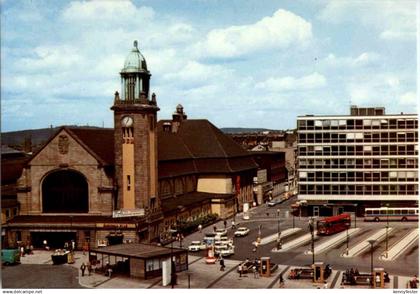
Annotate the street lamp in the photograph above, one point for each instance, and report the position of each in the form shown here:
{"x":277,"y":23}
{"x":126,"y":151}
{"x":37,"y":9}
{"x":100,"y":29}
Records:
{"x":311,"y":229}
{"x":173,"y":266}
{"x":355,"y":214}
{"x":347,"y":239}
{"x":371,"y":242}
{"x":387,"y":226}
{"x":278,"y":230}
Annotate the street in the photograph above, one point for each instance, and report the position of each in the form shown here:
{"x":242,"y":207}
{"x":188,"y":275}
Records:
{"x":295,"y":256}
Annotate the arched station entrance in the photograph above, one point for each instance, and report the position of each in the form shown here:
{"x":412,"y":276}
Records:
{"x":65,"y":191}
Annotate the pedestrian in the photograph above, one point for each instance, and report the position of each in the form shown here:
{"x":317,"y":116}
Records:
{"x":233,"y":225}
{"x":109,"y":272}
{"x":254,"y":269}
{"x":281,"y":281}
{"x":31,"y":248}
{"x":83,"y":268}
{"x":225,"y":223}
{"x":222,"y":263}
{"x":200,"y":227}
{"x":73,"y":245}
{"x":325,"y":285}
{"x":240,"y":270}
{"x":22,"y":251}
{"x":214,"y":228}
{"x":66,"y":246}
{"x":89,"y":268}
{"x":414,"y":282}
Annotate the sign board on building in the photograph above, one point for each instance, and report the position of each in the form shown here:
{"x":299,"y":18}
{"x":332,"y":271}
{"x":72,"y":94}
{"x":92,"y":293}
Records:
{"x":128,"y":212}
{"x":262,"y":176}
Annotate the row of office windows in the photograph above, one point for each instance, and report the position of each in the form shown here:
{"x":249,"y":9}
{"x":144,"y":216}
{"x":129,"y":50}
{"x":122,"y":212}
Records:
{"x":342,"y":150}
{"x":360,"y":137}
{"x":358,"y":176}
{"x":409,"y":189}
{"x":357,"y":124}
{"x":345,"y":163}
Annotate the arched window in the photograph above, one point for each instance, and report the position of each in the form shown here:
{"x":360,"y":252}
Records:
{"x":65,"y":191}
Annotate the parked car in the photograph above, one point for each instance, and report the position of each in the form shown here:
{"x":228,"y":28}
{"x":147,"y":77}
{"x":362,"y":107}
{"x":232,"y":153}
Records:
{"x":275,"y":202}
{"x":197,"y":246}
{"x":241,"y":231}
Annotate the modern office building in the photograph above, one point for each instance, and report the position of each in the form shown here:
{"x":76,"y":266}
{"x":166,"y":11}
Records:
{"x":349,"y":162}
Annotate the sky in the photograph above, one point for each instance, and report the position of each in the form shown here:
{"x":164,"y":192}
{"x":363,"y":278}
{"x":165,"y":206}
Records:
{"x":238,"y":63}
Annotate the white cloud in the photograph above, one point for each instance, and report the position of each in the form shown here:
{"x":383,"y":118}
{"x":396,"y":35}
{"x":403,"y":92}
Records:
{"x":408,"y":98}
{"x":90,"y":11}
{"x":279,"y":31}
{"x":312,"y":81}
{"x":195,"y":73}
{"x":395,"y":20}
{"x":364,"y":59}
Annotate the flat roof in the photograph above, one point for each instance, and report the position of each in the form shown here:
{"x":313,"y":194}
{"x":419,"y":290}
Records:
{"x":137,"y":250}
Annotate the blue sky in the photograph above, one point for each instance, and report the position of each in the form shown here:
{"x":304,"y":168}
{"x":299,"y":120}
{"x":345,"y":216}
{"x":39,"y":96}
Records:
{"x":236,"y":63}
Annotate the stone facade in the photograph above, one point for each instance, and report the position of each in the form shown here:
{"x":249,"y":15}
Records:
{"x":78,"y":159}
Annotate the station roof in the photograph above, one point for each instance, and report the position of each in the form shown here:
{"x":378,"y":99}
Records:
{"x":137,"y":250}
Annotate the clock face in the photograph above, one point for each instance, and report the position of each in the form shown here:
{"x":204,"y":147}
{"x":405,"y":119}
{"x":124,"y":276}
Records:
{"x":127,"y":122}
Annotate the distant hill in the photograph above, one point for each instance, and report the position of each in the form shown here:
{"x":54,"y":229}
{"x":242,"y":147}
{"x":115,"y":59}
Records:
{"x":30,"y":139}
{"x":246,"y":130}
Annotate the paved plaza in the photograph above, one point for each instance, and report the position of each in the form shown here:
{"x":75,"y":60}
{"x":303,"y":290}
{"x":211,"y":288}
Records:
{"x":202,"y":275}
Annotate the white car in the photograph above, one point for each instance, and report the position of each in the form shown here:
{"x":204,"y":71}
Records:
{"x":241,"y":231}
{"x":221,"y":232}
{"x":197,"y":246}
{"x":226,"y":250}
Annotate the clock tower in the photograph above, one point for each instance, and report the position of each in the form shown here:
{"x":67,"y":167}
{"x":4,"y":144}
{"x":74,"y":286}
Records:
{"x":135,"y":118}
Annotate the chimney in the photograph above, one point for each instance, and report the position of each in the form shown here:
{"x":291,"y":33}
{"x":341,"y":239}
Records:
{"x":177,"y":117}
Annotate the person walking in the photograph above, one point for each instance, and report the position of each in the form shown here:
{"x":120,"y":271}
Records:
{"x":225,"y":223}
{"x":325,"y":285}
{"x":240,"y":270}
{"x":214,"y":228}
{"x":83,"y":268}
{"x":254,"y":269}
{"x":200,"y":227}
{"x":222,"y":263}
{"x":233,"y":225}
{"x":281,"y":281}
{"x":89,"y":268}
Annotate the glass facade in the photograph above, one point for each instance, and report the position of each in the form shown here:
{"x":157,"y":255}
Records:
{"x":359,"y":157}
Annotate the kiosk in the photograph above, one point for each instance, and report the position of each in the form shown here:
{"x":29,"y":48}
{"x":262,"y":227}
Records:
{"x":378,"y":277}
{"x":265,"y":270}
{"x":318,"y":268}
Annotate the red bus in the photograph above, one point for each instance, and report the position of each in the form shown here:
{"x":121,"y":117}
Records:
{"x":333,"y":224}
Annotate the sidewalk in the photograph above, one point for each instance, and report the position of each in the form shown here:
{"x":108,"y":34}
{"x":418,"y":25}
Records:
{"x":364,"y":245}
{"x":202,"y":276}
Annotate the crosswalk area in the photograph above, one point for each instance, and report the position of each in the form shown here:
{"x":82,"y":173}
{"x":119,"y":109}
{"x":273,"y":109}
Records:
{"x":353,"y":242}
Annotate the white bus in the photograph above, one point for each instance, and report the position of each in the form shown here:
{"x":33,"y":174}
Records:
{"x":392,"y":214}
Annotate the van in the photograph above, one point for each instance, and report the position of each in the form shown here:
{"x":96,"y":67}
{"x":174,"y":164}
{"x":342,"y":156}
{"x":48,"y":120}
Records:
{"x":10,"y":256}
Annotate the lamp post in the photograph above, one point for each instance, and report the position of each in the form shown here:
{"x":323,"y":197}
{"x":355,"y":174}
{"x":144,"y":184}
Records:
{"x":173,"y":266}
{"x":371,"y":242}
{"x":278,"y":230}
{"x":387,"y":226}
{"x":311,"y":229}
{"x":347,"y":239}
{"x":355,"y":214}
{"x":293,"y":215}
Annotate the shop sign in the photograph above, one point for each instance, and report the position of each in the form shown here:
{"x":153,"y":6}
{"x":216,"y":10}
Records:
{"x":128,"y":212}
